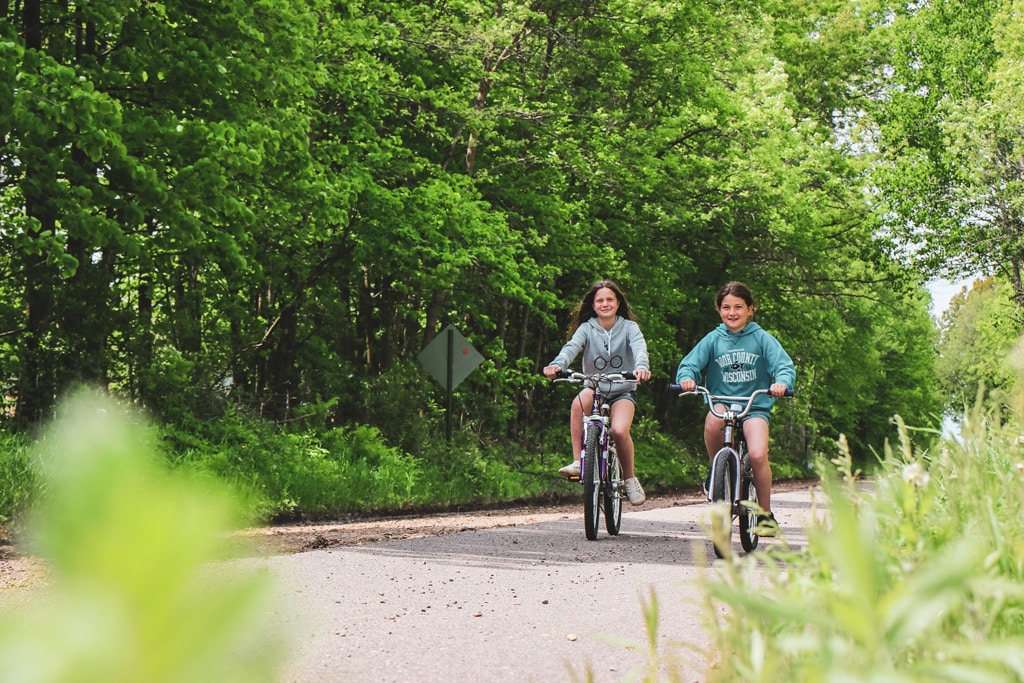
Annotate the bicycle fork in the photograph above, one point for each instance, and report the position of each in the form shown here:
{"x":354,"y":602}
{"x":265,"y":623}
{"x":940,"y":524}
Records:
{"x":733,"y":461}
{"x":601,"y":422}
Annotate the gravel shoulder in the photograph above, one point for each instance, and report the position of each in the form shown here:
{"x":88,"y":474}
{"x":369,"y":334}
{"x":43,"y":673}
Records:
{"x":17,"y":568}
{"x":361,"y":530}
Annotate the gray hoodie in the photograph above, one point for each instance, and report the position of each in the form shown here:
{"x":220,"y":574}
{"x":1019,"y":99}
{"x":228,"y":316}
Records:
{"x":620,"y":349}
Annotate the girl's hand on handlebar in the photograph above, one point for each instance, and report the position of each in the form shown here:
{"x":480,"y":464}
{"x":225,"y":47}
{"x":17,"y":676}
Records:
{"x":778,"y":390}
{"x":641,"y":375}
{"x":687,"y":385}
{"x":551,"y":371}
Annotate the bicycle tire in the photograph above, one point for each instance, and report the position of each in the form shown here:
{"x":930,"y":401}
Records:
{"x":721,"y":476}
{"x":748,"y":513}
{"x":613,"y":493}
{"x":721,"y":489}
{"x":591,"y":474}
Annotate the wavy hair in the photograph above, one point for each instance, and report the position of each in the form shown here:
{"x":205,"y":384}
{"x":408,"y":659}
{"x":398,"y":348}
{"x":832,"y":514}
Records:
{"x":584,"y":311}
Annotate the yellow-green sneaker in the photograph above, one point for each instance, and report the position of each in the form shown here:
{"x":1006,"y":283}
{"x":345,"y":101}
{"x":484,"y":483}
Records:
{"x":767,"y":525}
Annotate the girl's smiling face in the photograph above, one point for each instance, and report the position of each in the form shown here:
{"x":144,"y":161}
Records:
{"x":606,"y":304}
{"x":735,"y":312}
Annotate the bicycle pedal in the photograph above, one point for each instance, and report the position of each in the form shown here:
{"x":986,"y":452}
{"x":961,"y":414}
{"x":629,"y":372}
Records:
{"x":574,"y":478}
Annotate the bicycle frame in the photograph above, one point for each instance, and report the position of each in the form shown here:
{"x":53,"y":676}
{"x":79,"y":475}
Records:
{"x":734,"y":410}
{"x":601,"y":420}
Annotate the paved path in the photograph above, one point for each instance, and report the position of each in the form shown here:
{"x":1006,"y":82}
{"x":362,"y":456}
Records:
{"x":529,"y":603}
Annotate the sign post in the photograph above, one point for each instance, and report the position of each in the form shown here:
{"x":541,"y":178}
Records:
{"x":449,"y":359}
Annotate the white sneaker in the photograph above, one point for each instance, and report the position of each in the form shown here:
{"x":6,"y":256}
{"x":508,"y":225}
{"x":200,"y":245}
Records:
{"x":635,"y":491}
{"x":570,"y":471}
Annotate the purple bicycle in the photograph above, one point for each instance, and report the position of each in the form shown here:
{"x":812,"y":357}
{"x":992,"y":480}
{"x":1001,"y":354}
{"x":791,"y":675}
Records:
{"x":600,"y":470}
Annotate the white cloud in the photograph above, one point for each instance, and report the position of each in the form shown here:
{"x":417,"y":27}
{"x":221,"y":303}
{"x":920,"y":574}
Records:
{"x":943,"y":291}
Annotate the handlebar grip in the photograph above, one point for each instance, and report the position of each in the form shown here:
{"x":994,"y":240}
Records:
{"x":628,"y":375}
{"x":789,"y":392}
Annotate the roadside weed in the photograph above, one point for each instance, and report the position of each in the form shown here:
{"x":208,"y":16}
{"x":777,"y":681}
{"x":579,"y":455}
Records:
{"x":916,"y":575}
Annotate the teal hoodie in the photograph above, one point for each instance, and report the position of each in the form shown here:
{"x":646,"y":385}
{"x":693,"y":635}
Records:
{"x":739,"y":364}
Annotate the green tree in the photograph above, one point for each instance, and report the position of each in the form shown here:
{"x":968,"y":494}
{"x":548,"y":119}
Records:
{"x":136,"y":145}
{"x":947,"y":126}
{"x":979,"y":331}
{"x":274,"y":206}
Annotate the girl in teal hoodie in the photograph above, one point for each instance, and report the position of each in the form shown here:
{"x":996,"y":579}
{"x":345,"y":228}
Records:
{"x":735,"y":359}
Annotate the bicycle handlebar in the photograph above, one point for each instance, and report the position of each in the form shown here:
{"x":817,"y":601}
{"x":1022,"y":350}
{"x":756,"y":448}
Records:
{"x":577,"y":377}
{"x":712,"y":399}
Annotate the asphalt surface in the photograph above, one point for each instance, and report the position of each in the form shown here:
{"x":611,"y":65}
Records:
{"x":533,"y":602}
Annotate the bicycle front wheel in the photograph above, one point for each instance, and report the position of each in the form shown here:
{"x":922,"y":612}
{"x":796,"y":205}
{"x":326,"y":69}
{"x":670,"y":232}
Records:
{"x":722,"y":475}
{"x":591,"y":483}
{"x":721,"y":492}
{"x":613,"y":493}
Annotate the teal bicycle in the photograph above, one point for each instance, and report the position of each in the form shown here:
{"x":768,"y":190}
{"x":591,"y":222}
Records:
{"x":732,"y":478}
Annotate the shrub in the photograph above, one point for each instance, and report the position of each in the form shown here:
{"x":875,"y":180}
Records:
{"x":130,"y":594}
{"x":18,"y":481}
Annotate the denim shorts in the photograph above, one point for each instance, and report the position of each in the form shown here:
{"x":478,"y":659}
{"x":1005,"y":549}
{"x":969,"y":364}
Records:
{"x":628,"y":395}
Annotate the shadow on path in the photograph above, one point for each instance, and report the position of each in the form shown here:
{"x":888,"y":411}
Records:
{"x":672,"y":537}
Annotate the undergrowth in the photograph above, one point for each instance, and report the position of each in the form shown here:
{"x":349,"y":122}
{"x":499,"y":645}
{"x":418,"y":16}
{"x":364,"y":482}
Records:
{"x":914,"y":575}
{"x":283,"y":473}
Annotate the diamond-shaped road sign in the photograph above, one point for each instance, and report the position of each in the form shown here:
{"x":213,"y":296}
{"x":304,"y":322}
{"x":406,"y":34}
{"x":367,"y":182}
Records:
{"x":450,"y":358}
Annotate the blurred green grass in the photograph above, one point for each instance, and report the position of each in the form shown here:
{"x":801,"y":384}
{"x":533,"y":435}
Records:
{"x":131,"y":550}
{"x":916,"y":576}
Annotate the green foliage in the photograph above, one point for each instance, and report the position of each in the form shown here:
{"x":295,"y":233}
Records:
{"x":407,"y":405}
{"x":463,"y":472}
{"x":916,"y":577}
{"x":945,"y":122}
{"x":662,"y":461}
{"x":128,"y":545}
{"x":19,"y":483}
{"x":979,"y":331}
{"x":326,"y":472}
{"x":270,"y":208}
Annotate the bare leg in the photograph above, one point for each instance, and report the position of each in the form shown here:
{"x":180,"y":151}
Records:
{"x":622,"y":420}
{"x":584,"y":399}
{"x":713,"y":434}
{"x":755,"y":431}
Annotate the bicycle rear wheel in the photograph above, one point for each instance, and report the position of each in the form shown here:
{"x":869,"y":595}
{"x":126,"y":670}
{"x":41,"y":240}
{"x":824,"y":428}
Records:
{"x":591,"y":483}
{"x":613,"y":493}
{"x":748,"y":513}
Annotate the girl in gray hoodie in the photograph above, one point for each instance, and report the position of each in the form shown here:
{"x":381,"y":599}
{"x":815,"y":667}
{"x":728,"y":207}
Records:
{"x":602,"y":326}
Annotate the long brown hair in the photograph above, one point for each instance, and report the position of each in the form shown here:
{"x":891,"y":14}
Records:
{"x":584,"y":311}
